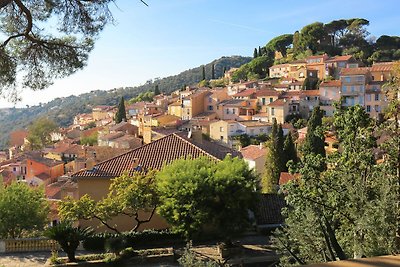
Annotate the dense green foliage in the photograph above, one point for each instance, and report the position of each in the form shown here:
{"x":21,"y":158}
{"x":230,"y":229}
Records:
{"x":144,"y":239}
{"x":315,"y":139}
{"x":197,"y":194}
{"x":62,"y":110}
{"x":121,"y":112}
{"x":68,"y":237}
{"x":90,"y":140}
{"x":348,"y":209}
{"x":39,"y":133}
{"x":22,"y":209}
{"x":38,"y":54}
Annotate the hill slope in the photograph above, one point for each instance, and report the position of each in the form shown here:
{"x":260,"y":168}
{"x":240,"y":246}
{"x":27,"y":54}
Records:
{"x":63,"y":110}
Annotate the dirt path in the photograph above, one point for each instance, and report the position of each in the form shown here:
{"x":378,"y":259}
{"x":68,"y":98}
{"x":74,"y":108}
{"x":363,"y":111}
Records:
{"x":31,"y":259}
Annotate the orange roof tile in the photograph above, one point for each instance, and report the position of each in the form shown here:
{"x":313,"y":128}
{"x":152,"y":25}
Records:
{"x":278,"y":103}
{"x":334,"y":83}
{"x":267,"y":92}
{"x":253,"y":152}
{"x":354,"y":71}
{"x":244,"y":93}
{"x":285,"y":177}
{"x":339,"y":58}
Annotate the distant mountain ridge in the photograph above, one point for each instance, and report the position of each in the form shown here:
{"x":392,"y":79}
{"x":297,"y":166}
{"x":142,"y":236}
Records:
{"x":62,"y":110}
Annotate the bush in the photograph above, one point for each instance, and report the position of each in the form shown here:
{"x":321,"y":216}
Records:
{"x":115,"y":245}
{"x":145,"y":239}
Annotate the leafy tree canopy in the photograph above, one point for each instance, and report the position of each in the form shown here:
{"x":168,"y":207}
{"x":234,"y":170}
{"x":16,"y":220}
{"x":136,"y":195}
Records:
{"x":198,"y":193}
{"x":22,"y":209}
{"x":39,"y":133}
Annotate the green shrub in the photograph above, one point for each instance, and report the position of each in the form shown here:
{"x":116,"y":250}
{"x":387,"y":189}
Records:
{"x":115,"y":244}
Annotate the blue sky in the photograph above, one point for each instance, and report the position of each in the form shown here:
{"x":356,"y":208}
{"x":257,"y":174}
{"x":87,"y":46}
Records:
{"x":171,"y":36}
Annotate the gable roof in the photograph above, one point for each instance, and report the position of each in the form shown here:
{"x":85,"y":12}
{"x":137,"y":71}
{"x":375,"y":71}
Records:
{"x":333,"y":83}
{"x":155,"y":154}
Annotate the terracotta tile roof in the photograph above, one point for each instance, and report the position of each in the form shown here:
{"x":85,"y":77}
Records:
{"x":43,"y":176}
{"x":339,"y":58}
{"x":155,"y":154}
{"x":354,"y":71}
{"x":244,"y":93}
{"x":277,"y":103}
{"x":278,"y":85}
{"x":318,"y":56}
{"x":253,"y":152}
{"x":286,"y":177}
{"x":261,"y":114}
{"x":267,"y":92}
{"x":334,"y":83}
{"x":382,"y":66}
{"x":310,"y":93}
{"x":268,"y":209}
{"x":123,"y":125}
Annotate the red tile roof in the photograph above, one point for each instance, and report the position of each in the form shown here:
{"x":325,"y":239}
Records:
{"x":285,"y":177}
{"x":354,"y":71}
{"x":244,"y":93}
{"x":334,"y":83}
{"x":155,"y":154}
{"x":310,"y":93}
{"x":277,"y":103}
{"x":382,"y":66}
{"x":339,"y":58}
{"x":267,"y":92}
{"x":17,"y":137}
{"x":253,"y":152}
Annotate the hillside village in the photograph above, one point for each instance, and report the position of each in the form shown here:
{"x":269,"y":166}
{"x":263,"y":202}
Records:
{"x":192,"y":121}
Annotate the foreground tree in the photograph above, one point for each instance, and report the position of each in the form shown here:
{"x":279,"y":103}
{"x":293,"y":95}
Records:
{"x":128,"y":196}
{"x":346,"y":210}
{"x":39,"y":133}
{"x":198,"y":193}
{"x":68,"y":237}
{"x":22,"y":209}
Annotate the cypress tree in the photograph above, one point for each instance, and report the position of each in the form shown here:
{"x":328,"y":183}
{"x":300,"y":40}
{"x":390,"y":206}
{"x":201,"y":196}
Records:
{"x":274,"y":131}
{"x":255,"y":53}
{"x":259,"y":51}
{"x":213,"y":72}
{"x":203,"y":73}
{"x":270,"y":178}
{"x":289,"y":151}
{"x":315,"y":140}
{"x":279,"y":148}
{"x":121,"y":113}
{"x":156,"y":90}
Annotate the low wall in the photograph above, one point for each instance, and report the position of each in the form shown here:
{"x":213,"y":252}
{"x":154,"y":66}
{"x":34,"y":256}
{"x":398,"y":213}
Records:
{"x":28,"y":245}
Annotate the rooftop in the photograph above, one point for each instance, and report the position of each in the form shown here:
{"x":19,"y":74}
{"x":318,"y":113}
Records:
{"x":155,"y":154}
{"x":253,"y":152}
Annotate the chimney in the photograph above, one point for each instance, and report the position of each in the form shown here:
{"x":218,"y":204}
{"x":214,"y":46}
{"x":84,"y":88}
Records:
{"x":197,"y":136}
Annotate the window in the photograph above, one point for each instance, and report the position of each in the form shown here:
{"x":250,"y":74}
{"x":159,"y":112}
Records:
{"x":368,"y":97}
{"x":227,"y":111}
{"x":362,"y":88}
{"x":352,"y":89}
{"x":234,"y":111}
{"x":273,"y":111}
{"x":347,"y":79}
{"x":221,"y":129}
{"x":361,"y":100}
{"x":209,"y":100}
{"x":377,"y":108}
{"x":263,"y":101}
{"x":271,"y":100}
{"x":325,"y":92}
{"x":368,"y":108}
{"x":210,"y":107}
{"x":14,"y":169}
{"x":344,"y":89}
{"x":222,"y":138}
{"x":376,"y":97}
